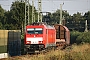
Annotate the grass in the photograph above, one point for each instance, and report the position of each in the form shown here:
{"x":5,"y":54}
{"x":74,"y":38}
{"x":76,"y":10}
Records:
{"x":74,"y":52}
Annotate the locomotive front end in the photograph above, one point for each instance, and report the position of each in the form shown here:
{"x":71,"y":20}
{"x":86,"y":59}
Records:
{"x":34,"y":39}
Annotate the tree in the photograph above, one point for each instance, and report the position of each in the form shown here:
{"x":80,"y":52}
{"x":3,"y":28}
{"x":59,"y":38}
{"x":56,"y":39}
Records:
{"x":1,"y":13}
{"x":54,"y":18}
{"x":16,"y":15}
{"x":76,"y":22}
{"x":0,"y":25}
{"x":87,"y":15}
{"x":1,"y":17}
{"x":77,"y":17}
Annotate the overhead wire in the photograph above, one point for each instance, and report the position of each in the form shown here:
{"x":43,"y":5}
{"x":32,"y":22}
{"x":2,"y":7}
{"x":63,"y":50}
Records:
{"x":4,"y":4}
{"x":53,"y":9}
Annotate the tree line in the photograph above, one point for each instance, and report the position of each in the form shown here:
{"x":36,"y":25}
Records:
{"x":74,"y":22}
{"x":15,"y":18}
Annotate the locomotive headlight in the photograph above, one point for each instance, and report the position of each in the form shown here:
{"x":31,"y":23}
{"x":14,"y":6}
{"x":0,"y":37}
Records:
{"x":40,"y":41}
{"x":28,"y":42}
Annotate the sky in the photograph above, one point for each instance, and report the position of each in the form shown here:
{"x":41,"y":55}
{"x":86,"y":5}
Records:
{"x":72,"y":6}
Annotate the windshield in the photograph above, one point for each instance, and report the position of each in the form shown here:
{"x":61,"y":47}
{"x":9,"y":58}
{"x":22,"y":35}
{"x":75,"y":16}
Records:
{"x":35,"y":30}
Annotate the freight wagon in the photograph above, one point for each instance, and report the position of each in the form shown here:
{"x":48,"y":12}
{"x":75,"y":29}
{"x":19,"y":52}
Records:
{"x":62,"y":35}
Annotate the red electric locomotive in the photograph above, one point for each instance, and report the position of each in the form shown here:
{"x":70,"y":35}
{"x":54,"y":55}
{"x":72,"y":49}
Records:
{"x":39,"y":36}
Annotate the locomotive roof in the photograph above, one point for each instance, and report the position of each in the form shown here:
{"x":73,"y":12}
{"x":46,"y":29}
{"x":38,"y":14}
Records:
{"x":45,"y":24}
{"x":50,"y":27}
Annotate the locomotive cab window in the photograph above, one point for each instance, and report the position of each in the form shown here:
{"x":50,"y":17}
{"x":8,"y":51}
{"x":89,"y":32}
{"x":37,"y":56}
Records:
{"x":38,"y":30}
{"x":34,"y":30}
{"x":30,"y":30}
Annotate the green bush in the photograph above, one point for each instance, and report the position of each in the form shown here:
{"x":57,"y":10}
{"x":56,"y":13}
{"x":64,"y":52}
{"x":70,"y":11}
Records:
{"x":84,"y":37}
{"x":73,"y":36}
{"x":79,"y":37}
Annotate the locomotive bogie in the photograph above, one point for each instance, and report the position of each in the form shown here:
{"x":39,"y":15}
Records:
{"x":34,"y":47}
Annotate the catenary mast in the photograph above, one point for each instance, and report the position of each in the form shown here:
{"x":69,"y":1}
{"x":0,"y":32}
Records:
{"x":39,"y":11}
